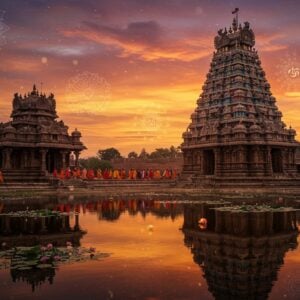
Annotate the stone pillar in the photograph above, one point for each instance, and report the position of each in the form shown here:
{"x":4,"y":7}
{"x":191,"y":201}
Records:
{"x":32,"y":158}
{"x":269,"y":170}
{"x":7,"y":158}
{"x":76,"y":158}
{"x":43,"y":153}
{"x":63,"y":159}
{"x":217,"y":153}
{"x":201,"y":162}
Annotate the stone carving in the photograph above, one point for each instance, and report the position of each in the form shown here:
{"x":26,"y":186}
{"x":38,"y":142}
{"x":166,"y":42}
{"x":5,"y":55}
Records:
{"x":236,"y":99}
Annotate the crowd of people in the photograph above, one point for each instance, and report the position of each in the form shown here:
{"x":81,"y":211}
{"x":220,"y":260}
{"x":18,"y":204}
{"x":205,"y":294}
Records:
{"x":117,"y":174}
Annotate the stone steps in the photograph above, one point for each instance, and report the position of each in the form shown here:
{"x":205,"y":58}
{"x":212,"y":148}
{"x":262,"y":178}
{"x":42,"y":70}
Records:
{"x":29,"y":175}
{"x":128,"y":183}
{"x":26,"y":186}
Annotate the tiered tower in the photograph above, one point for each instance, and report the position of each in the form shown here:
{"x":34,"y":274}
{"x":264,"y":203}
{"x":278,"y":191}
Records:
{"x":34,"y":142}
{"x":236,"y":129}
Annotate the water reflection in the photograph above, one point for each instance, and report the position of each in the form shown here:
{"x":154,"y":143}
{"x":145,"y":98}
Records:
{"x":239,"y":256}
{"x":239,"y":252}
{"x":34,"y":277}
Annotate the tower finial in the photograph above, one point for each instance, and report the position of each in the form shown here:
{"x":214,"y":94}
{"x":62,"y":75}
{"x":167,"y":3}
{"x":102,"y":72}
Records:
{"x":236,"y":18}
{"x":34,"y":88}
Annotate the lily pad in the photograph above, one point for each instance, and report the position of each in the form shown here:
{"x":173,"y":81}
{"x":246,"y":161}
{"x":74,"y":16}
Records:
{"x":25,"y":268}
{"x":44,"y":266}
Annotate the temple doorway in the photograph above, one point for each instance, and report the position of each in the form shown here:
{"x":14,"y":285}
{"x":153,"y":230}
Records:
{"x":276,"y":161}
{"x":208,"y":162}
{"x":53,"y":160}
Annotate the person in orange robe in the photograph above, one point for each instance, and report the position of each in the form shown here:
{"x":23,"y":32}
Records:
{"x":123,"y":174}
{"x":54,"y":173}
{"x":78,"y":173}
{"x":115,"y":174}
{"x":99,"y":174}
{"x":84,"y":173}
{"x":74,"y":173}
{"x":67,"y":173}
{"x":157,"y":174}
{"x":90,"y":174}
{"x":168,"y":174}
{"x":174,"y":174}
{"x":134,"y":174}
{"x":151,"y":174}
{"x":62,"y":174}
{"x":110,"y":174}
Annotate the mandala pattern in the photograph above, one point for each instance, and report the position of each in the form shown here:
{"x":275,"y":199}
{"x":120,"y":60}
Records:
{"x":88,"y":92}
{"x":288,"y":72}
{"x":150,"y":121}
{"x":3,"y":29}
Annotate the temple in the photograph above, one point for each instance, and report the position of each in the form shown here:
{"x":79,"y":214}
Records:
{"x":236,"y":130}
{"x":34,"y":143}
{"x":239,"y":252}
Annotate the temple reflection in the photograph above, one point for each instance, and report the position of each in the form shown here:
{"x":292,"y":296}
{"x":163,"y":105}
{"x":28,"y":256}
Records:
{"x":240,"y":252}
{"x":105,"y":209}
{"x":27,"y":229}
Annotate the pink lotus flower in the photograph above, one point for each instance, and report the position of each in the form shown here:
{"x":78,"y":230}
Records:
{"x":68,"y":243}
{"x":49,"y":247}
{"x":69,"y":248}
{"x":43,"y":249}
{"x":44,"y":259}
{"x":56,"y":257}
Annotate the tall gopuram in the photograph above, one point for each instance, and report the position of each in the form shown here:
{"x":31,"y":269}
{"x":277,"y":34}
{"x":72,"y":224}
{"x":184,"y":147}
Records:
{"x":236,"y":129}
{"x":35,"y":143}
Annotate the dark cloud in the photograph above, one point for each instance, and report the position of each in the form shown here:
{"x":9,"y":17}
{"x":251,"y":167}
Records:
{"x":147,"y":32}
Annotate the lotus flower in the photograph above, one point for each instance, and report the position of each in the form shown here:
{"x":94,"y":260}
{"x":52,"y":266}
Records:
{"x":69,"y":248}
{"x":57,"y":257}
{"x":49,"y":247}
{"x":44,"y":259}
{"x":43,"y":249}
{"x":92,"y":249}
{"x":68,"y":243}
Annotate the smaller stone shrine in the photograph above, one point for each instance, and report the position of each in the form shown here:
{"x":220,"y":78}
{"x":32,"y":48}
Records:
{"x":35,"y":143}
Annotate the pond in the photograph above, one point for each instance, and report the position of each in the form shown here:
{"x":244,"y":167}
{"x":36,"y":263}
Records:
{"x":158,"y":249}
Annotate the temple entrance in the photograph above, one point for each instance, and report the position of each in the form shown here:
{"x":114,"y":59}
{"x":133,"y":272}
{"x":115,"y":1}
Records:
{"x":53,"y":160}
{"x":208,"y":162}
{"x":276,"y":157}
{"x":16,"y":159}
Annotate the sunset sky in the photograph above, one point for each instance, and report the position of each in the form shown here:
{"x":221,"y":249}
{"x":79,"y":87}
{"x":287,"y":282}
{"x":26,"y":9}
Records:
{"x":127,"y":73}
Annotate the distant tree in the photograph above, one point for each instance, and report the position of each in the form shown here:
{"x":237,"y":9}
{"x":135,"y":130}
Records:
{"x":160,"y":153}
{"x":109,"y":154}
{"x":132,"y":154}
{"x":94,"y":163}
{"x":144,"y":154}
{"x":174,"y":151}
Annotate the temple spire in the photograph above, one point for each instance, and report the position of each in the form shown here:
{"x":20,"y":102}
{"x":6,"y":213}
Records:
{"x":235,"y":22}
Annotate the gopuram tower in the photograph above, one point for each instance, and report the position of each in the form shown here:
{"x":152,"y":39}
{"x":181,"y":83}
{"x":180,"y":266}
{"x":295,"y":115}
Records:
{"x":236,"y":129}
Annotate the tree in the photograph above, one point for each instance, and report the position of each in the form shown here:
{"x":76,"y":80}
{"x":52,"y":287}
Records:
{"x":174,"y":151}
{"x":94,"y":163}
{"x":160,"y":153}
{"x":109,"y":154}
{"x":144,"y":154}
{"x":132,"y":154}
